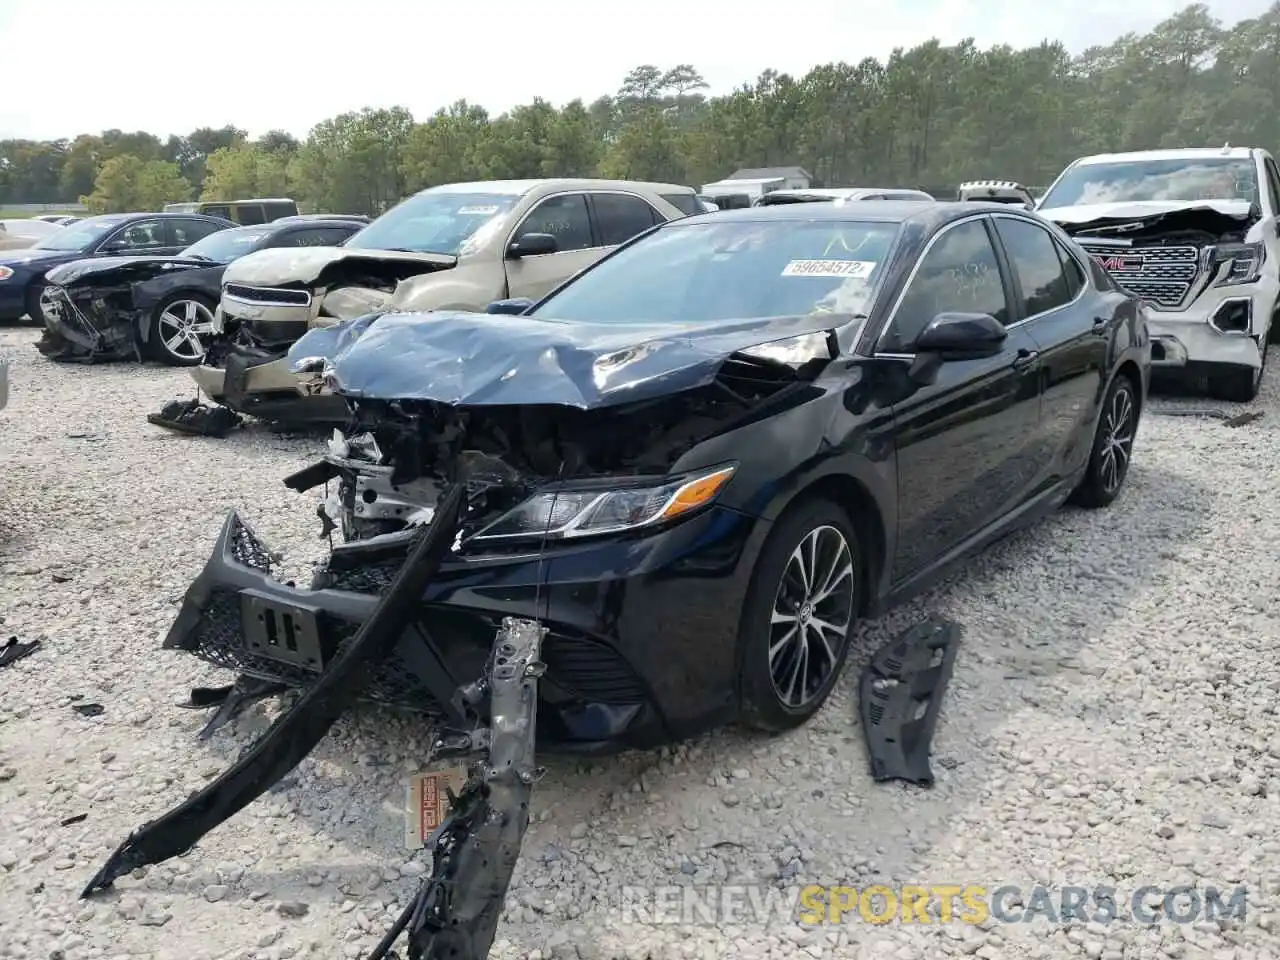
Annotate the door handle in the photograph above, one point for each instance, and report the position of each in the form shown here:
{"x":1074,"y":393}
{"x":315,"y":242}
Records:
{"x":1025,"y":358}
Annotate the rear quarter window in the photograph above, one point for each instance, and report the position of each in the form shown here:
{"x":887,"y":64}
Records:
{"x":686,"y":203}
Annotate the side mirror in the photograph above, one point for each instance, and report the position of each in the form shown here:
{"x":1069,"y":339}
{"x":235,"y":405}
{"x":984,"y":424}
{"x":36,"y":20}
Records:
{"x":532,"y":245}
{"x":113,"y":246}
{"x":512,"y":307}
{"x":962,"y":336}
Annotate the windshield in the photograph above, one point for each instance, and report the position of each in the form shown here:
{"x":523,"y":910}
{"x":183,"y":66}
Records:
{"x":435,"y":222}
{"x":225,"y":245}
{"x":1202,"y":178}
{"x":79,"y":236}
{"x":737,"y":270}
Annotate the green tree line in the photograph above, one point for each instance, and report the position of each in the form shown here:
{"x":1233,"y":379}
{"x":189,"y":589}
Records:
{"x":931,"y":115}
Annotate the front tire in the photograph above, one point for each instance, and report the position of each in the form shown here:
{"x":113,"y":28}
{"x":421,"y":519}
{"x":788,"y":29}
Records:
{"x":180,"y":329}
{"x":1240,"y":384}
{"x":1112,"y":447}
{"x":800,"y":610}
{"x":35,"y":313}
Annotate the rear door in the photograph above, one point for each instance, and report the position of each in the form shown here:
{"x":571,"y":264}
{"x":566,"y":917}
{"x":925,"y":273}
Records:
{"x":183,"y":232}
{"x":1071,"y":331}
{"x":567,"y":217}
{"x":965,"y":442}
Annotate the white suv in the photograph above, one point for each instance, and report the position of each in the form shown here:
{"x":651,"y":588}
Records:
{"x":1193,"y":232}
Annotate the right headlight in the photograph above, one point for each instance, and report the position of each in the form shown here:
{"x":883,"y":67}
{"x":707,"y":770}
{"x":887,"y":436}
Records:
{"x":583,"y":511}
{"x":6,"y":273}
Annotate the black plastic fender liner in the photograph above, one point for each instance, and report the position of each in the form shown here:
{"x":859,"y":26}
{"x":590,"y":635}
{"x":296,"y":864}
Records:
{"x":296,"y":732}
{"x":901,"y":698}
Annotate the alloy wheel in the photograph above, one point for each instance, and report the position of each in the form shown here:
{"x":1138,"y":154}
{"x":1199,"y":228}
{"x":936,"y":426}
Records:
{"x":1118,"y":426}
{"x":183,"y":324}
{"x":812,"y":612}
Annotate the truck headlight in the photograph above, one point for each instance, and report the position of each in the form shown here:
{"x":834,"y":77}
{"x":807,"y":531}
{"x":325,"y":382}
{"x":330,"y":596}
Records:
{"x":585,"y":511}
{"x":1238,"y":263}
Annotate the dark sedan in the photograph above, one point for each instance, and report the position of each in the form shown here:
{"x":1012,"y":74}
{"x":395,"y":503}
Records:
{"x":159,"y":307}
{"x":699,"y":462}
{"x":22,"y":272}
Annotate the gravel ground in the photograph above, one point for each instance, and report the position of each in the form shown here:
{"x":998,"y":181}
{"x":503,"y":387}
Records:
{"x":1111,"y":722}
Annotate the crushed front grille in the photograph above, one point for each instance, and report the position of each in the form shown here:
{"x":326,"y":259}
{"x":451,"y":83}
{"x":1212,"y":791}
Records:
{"x":267,"y":295}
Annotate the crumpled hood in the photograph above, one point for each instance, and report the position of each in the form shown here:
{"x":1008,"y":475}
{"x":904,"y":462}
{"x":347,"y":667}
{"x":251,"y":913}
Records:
{"x":1141,"y":209}
{"x":284,"y":265}
{"x":80,"y":269}
{"x":480,"y":359}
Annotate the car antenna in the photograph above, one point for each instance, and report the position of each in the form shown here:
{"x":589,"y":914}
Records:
{"x":542,"y":548}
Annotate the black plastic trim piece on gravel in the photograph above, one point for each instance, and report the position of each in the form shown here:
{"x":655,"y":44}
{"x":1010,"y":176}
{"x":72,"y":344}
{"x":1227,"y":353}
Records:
{"x":901,"y":698}
{"x":192,"y":416}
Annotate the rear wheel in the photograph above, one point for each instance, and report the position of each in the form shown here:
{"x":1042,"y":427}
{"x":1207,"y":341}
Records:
{"x":180,"y":330}
{"x":1112,"y":447}
{"x":801,"y":608}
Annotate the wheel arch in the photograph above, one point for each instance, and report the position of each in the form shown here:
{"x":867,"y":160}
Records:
{"x":859,"y":504}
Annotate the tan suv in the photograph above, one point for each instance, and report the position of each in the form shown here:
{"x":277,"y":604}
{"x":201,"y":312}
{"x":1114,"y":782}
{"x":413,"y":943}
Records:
{"x":458,"y":246}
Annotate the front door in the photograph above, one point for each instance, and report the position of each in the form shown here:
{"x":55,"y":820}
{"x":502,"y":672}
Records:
{"x":566,"y":217}
{"x":966,"y":443}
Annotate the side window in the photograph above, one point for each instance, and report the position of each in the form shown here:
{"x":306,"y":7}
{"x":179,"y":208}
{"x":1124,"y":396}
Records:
{"x":222,"y":210}
{"x":183,"y":233}
{"x":143,"y":235}
{"x":304,"y":238}
{"x":621,"y":216}
{"x":686,"y":203}
{"x":1042,"y":283}
{"x":959,"y":274}
{"x":277,"y":210}
{"x":249,"y":214}
{"x":1076,"y":280}
{"x":334,"y":236}
{"x":1273,"y":185}
{"x":565,"y":217}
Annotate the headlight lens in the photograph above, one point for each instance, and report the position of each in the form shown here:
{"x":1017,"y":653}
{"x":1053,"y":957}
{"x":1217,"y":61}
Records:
{"x":1239,"y":263}
{"x":571,"y":513}
{"x":6,"y":273}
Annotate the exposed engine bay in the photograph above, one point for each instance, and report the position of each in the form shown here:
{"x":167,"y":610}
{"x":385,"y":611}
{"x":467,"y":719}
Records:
{"x":396,"y":456}
{"x":88,"y":324}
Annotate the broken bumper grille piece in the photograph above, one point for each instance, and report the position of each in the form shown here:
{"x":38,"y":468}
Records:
{"x":296,"y":732}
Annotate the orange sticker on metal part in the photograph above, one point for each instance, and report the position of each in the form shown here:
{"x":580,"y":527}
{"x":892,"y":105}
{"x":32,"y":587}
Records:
{"x":427,"y":802}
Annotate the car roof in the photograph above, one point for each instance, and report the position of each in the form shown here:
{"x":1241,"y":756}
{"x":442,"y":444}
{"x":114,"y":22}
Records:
{"x":521,"y":187}
{"x":1182,"y":153}
{"x":926,"y":213}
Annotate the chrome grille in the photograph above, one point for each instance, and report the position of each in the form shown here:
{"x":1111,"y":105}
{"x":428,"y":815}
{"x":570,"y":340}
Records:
{"x":272,"y":296}
{"x":1162,"y":275}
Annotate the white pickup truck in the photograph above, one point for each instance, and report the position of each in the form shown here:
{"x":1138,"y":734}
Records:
{"x":1195,"y":233}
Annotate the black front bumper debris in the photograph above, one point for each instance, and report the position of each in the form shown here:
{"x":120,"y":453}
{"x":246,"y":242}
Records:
{"x":296,"y":732}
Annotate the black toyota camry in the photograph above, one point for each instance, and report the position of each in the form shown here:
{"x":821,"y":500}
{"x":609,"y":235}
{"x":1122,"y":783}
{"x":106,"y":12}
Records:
{"x":698,"y":463}
{"x":159,"y":306}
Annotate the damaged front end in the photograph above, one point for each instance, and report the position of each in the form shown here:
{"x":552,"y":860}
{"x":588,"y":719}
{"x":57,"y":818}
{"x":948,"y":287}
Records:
{"x":269,"y":300}
{"x":89,"y":324}
{"x":1200,"y":267}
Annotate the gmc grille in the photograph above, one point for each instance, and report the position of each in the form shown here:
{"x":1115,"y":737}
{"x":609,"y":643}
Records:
{"x":274,"y":296}
{"x":1162,"y":275}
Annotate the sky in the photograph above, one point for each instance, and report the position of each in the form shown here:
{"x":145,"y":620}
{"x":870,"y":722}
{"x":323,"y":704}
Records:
{"x":77,"y":66}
